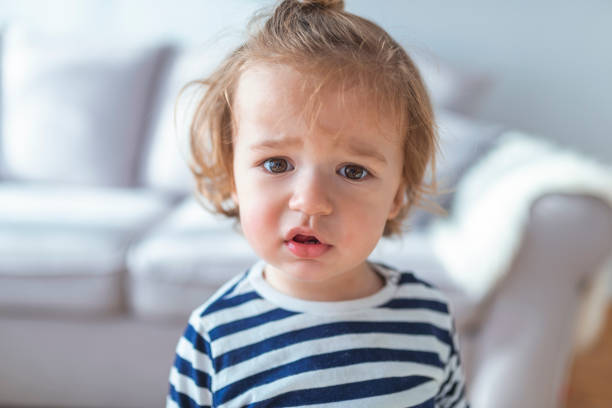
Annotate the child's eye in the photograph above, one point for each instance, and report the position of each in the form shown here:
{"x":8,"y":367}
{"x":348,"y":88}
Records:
{"x":353,"y":172}
{"x":277,"y":165}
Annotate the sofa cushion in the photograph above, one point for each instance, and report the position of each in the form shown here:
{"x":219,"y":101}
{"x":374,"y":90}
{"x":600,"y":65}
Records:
{"x":62,"y":249}
{"x":74,"y":108}
{"x":184,"y":260}
{"x":188,"y":256}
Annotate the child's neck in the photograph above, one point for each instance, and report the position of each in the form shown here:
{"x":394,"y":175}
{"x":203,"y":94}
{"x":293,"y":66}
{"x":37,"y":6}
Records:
{"x":361,"y":283}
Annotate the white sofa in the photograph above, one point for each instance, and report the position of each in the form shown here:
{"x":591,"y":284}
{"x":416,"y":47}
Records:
{"x":104,"y":250}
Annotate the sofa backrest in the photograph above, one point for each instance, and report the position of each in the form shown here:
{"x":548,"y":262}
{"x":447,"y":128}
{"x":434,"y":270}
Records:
{"x":80,"y":111}
{"x":164,"y":164}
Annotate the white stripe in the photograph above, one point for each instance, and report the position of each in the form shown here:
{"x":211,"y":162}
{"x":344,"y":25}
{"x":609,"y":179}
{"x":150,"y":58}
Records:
{"x":186,"y":385}
{"x":195,"y":320}
{"x":198,"y":360}
{"x":420,"y":291}
{"x":302,"y":321}
{"x":328,"y":345}
{"x":461,"y":404}
{"x":338,"y":376}
{"x":170,"y":403}
{"x":245,"y":310}
{"x":404,"y":399}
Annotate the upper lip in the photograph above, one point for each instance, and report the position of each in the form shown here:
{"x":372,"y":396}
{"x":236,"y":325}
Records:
{"x":302,"y":231}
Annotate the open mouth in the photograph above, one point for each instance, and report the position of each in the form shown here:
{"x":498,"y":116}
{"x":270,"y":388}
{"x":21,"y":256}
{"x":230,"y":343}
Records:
{"x":306,"y":239}
{"x":305,"y":246}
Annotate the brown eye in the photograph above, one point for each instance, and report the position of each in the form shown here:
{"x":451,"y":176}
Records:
{"x":353,"y":172}
{"x":277,"y":165}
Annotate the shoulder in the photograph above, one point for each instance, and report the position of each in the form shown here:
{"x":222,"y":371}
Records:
{"x":424,"y":306}
{"x":415,"y":292}
{"x":233,"y":293}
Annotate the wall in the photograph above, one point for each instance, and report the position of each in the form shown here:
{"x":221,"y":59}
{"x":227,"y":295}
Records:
{"x":550,"y":59}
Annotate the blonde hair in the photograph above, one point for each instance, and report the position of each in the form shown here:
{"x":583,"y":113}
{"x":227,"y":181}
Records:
{"x":323,"y":41}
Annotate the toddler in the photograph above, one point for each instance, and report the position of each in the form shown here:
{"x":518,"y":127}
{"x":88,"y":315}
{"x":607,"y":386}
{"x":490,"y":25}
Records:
{"x":316,"y":134}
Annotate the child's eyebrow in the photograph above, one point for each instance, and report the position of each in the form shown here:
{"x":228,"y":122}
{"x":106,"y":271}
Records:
{"x":357,"y":149}
{"x":366,"y":151}
{"x":277,"y":143}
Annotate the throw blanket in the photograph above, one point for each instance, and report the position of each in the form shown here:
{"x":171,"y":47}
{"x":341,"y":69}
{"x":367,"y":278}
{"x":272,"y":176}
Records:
{"x":496,"y":194}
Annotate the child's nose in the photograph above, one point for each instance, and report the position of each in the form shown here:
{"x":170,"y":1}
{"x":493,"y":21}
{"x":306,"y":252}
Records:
{"x":311,"y":195}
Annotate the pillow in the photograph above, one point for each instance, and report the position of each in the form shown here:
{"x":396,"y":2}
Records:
{"x":74,"y":107}
{"x":165,"y":162}
{"x":463,"y":141}
{"x":449,"y":87}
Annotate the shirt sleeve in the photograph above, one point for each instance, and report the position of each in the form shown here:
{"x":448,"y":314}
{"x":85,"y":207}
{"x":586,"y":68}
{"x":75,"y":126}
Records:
{"x":191,"y":376}
{"x":452,"y":391}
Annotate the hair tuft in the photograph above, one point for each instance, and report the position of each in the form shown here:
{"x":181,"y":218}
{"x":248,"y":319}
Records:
{"x":326,"y":4}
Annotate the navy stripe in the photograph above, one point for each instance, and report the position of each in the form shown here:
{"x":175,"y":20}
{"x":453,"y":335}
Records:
{"x":183,"y":400}
{"x":196,"y":339}
{"x":248,"y":323}
{"x":234,"y":301}
{"x":324,"y":361}
{"x":201,"y":378}
{"x":410,"y":303}
{"x":342,"y":392}
{"x":408,"y":277}
{"x":430,"y":403}
{"x":451,"y":391}
{"x":323,"y":331}
{"x":235,"y":285}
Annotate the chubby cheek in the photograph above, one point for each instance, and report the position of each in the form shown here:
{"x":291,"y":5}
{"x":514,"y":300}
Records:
{"x":259,"y":220}
{"x":361,"y":228}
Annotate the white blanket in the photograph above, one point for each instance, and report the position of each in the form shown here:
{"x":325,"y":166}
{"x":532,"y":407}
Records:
{"x":492,"y":204}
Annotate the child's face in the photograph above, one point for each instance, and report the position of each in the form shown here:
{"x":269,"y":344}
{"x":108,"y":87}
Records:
{"x":313,"y":205}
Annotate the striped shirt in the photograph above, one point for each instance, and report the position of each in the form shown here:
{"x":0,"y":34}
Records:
{"x":252,"y":346}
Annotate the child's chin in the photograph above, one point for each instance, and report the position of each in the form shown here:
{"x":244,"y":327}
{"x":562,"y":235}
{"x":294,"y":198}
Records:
{"x":305,"y":270}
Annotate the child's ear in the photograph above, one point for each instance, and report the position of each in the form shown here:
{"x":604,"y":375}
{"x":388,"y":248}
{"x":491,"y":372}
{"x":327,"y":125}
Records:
{"x":398,"y":201}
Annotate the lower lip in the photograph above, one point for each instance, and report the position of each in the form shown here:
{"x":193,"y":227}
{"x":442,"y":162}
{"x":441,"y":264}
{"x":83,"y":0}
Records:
{"x":307,"y":250}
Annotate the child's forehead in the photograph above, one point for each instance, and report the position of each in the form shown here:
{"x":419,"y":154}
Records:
{"x":275,"y":94}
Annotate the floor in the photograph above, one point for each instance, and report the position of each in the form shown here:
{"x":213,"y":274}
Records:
{"x":591,"y":376}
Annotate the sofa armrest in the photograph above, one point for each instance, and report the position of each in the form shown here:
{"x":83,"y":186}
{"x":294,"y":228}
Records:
{"x":523,"y":347}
